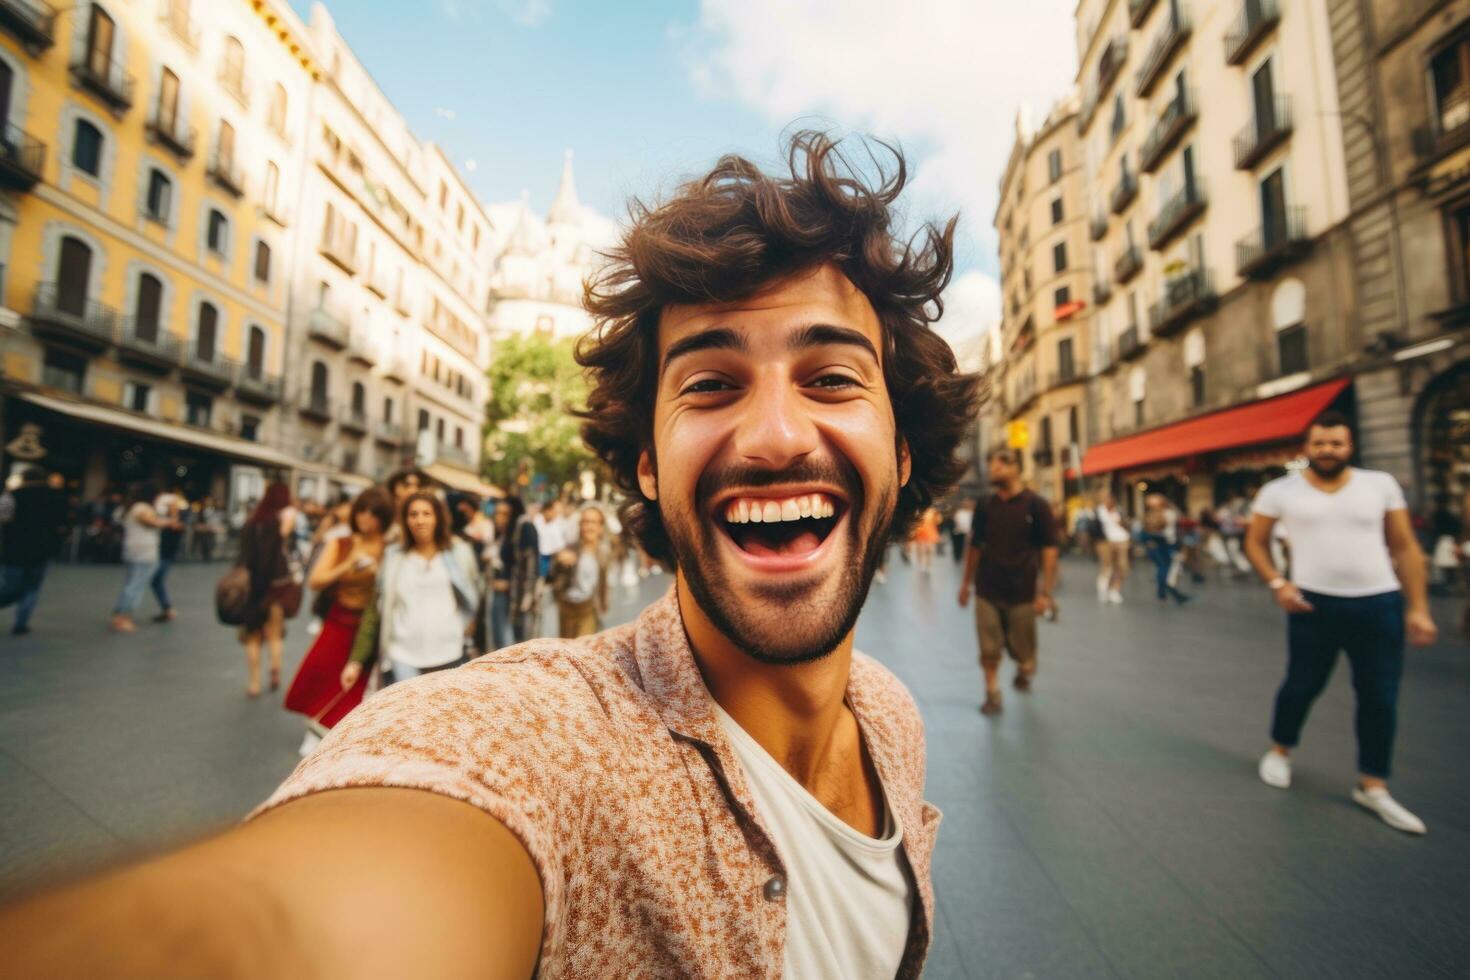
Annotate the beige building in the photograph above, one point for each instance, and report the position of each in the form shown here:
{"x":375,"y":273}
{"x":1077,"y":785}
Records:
{"x":1039,"y":391}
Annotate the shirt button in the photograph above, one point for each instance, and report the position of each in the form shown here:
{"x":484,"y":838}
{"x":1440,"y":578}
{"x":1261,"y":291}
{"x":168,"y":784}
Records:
{"x":775,"y":889}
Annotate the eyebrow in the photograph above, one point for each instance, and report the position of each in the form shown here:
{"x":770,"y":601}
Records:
{"x":726,"y":338}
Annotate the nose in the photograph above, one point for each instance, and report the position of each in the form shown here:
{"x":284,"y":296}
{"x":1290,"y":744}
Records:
{"x":777,"y":428}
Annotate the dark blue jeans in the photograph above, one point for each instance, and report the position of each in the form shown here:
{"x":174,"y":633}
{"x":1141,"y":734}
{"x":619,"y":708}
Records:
{"x":20,"y":585}
{"x":159,"y":583}
{"x":1370,"y":630}
{"x":1161,"y":553}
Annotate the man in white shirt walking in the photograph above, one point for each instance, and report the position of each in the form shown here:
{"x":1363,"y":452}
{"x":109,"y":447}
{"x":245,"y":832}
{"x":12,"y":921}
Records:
{"x":1358,"y":585}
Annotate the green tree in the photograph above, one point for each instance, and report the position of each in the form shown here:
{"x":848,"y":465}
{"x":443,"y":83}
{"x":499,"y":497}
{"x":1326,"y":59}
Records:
{"x":534,"y":385}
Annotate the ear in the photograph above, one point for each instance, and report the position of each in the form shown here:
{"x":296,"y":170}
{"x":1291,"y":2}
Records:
{"x":905,"y":462}
{"x":647,"y":475}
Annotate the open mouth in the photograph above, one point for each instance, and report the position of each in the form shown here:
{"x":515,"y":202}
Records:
{"x":780,"y":527}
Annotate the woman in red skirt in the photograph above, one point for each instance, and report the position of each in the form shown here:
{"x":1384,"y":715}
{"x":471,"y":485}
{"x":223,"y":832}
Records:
{"x":348,"y":568}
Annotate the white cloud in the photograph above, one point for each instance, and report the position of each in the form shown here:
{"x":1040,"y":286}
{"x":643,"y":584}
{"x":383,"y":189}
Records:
{"x":945,"y":77}
{"x":527,"y":13}
{"x":971,"y":306}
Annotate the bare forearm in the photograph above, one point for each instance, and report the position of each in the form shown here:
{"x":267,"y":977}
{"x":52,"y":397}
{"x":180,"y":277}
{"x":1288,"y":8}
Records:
{"x":972,"y":562}
{"x":1408,"y":563}
{"x":1048,"y":569}
{"x":1259,"y":554}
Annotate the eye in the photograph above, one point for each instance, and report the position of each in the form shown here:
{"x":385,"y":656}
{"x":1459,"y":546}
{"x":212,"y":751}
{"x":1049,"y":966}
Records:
{"x":705,"y":386}
{"x":836,"y":381}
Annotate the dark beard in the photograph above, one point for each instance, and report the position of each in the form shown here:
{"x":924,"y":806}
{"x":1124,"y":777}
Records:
{"x":696,"y":551}
{"x":1330,"y":469}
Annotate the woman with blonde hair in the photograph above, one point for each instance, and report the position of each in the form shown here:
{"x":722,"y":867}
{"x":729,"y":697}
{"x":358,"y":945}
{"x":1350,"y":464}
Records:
{"x":579,"y":578}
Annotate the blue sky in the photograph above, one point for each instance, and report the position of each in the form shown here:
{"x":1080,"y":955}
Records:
{"x":647,"y":92}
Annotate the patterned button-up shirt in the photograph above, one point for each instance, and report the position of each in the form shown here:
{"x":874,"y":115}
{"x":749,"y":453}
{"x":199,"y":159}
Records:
{"x":605,"y":758}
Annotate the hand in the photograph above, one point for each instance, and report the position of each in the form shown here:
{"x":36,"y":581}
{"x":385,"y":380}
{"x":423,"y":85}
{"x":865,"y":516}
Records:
{"x":567,"y":557}
{"x":1421,"y":629}
{"x":1041,"y":604}
{"x":350,"y":674}
{"x":964,"y":596}
{"x":1290,"y":598}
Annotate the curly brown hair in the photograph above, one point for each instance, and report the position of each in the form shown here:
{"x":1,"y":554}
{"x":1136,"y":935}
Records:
{"x":728,"y":234}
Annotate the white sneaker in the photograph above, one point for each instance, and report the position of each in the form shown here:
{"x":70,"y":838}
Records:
{"x":1389,"y":810}
{"x":1102,"y":590}
{"x":1115,"y":597}
{"x":1275,"y":770}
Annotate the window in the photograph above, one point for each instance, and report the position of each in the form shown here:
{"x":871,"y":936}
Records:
{"x":168,"y":102}
{"x":1138,"y":414}
{"x":1120,"y":117}
{"x":359,"y":398}
{"x":217,"y":235}
{"x":255,"y":353}
{"x":250,"y":427}
{"x":459,"y":218}
{"x":1056,"y":211}
{"x":1066,"y":360}
{"x":136,"y":396}
{"x":232,"y":72}
{"x":100,"y":30}
{"x":204,"y":335}
{"x":1291,"y":348}
{"x":318,"y":383}
{"x":1197,"y":385}
{"x":1062,"y":297}
{"x":1059,"y":257}
{"x":86,"y":148}
{"x":1054,"y":165}
{"x":160,"y":190}
{"x":388,"y":410}
{"x":443,"y":195}
{"x":198,"y":408}
{"x":423,"y":419}
{"x":74,"y":276}
{"x":276,"y":118}
{"x":459,"y":436}
{"x":226,"y":147}
{"x":262,"y":262}
{"x":150,"y":302}
{"x":1074,"y":433}
{"x":272,"y":188}
{"x":439,"y":430}
{"x":64,"y":371}
{"x":1263,"y":92}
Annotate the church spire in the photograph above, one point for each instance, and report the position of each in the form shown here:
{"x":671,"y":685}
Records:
{"x":565,"y":209}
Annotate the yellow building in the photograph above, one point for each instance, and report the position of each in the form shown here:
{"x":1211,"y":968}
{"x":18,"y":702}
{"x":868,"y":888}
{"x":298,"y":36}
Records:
{"x":144,"y":238}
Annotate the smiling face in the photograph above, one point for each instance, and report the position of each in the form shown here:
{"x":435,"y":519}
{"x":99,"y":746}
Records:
{"x":421,"y":521}
{"x":776,"y":462}
{"x":1329,"y":449}
{"x":591,"y":525}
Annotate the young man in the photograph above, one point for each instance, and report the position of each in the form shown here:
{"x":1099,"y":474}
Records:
{"x":1357,"y":585}
{"x":723,"y":788}
{"x":1013,"y":536}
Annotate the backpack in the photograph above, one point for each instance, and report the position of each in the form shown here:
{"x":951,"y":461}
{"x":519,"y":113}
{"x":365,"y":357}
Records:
{"x":232,"y":596}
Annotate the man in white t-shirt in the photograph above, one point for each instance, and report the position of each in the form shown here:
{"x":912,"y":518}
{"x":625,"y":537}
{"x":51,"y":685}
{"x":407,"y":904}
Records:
{"x":1357,"y":585}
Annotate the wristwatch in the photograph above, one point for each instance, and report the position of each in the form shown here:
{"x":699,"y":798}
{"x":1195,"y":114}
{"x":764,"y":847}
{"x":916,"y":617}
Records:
{"x":1276,"y":583}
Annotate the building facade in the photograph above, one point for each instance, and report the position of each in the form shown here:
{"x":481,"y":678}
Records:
{"x":144,"y":240}
{"x":1040,"y":392}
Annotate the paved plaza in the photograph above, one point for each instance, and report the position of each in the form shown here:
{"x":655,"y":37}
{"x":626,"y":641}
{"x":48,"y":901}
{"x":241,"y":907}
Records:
{"x":1108,"y":825}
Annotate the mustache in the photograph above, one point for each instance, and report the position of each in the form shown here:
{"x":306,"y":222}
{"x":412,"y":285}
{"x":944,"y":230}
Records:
{"x":838,"y":473}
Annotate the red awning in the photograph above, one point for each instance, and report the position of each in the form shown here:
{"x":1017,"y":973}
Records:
{"x":1271,"y":420}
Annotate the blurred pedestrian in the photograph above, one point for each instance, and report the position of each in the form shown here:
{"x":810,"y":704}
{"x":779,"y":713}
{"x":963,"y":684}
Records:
{"x":171,"y":506}
{"x":349,"y":568}
{"x":1357,"y":585}
{"x":1113,"y":545}
{"x":142,"y":526}
{"x":579,"y":578}
{"x":32,"y":530}
{"x":1014,"y":539}
{"x":426,"y":598}
{"x":1160,"y":540}
{"x":525,"y":580}
{"x":508,"y":514}
{"x":401,"y":484}
{"x":964,"y":515}
{"x":925,"y":536}
{"x":265,"y":543}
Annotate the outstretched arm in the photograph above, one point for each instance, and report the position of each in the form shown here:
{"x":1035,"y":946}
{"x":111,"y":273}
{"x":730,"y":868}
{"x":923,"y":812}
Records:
{"x":302,"y":891}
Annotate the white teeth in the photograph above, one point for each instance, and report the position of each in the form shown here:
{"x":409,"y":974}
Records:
{"x":743,"y":510}
{"x":804,"y":505}
{"x":772,"y":512}
{"x":756,"y":515}
{"x":790,"y":510}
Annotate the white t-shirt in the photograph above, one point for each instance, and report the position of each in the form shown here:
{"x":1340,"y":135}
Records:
{"x":1337,"y":539}
{"x":848,"y":897}
{"x":1111,"y":522}
{"x":427,"y":628}
{"x":964,"y":518}
{"x":140,"y":541}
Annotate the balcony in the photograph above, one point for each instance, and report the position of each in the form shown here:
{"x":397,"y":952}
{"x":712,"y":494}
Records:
{"x":361,"y":350}
{"x":22,"y":159}
{"x":1057,"y":379}
{"x":1110,"y":65}
{"x":1280,"y":241}
{"x":1127,"y":265}
{"x":353,"y":420}
{"x":226,"y":174}
{"x":1257,"y":18}
{"x":1124,"y":191}
{"x":330,"y":329}
{"x":148,"y":345}
{"x":1138,"y":11}
{"x":1102,"y":291}
{"x":1042,"y":456}
{"x":105,"y":79}
{"x":402,"y":303}
{"x":72,"y":319}
{"x":340,"y":253}
{"x":317,"y":406}
{"x":395,"y":368}
{"x":1185,"y":297}
{"x":1177,"y":214}
{"x":455,"y":456}
{"x":209,"y":368}
{"x":1266,"y":132}
{"x":1098,"y":227}
{"x":1130,"y":345}
{"x":257,"y":386}
{"x":1167,"y":43}
{"x":388,"y":433}
{"x":173,"y":134}
{"x":1168,"y":129}
{"x":30,"y":22}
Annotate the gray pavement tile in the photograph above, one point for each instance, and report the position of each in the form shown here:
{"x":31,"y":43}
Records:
{"x":43,"y":834}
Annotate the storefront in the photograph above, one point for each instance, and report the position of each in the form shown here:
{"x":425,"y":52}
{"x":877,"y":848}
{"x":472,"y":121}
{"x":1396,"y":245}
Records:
{"x":1442,"y":429}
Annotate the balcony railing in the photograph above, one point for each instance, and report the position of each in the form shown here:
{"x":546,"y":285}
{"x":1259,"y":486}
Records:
{"x":1127,"y":265}
{"x":30,"y":22}
{"x":72,"y":318}
{"x":1130,"y":344}
{"x":1138,"y":11}
{"x":149,"y":344}
{"x":208,"y":366}
{"x":353,"y":420}
{"x":173,"y":133}
{"x":339,"y":252}
{"x":1024,"y":392}
{"x":1256,"y":19}
{"x":1186,"y":297}
{"x":396,"y":368}
{"x":176,"y":18}
{"x":389,"y":433}
{"x":1063,"y":377}
{"x":225,"y":172}
{"x":105,"y":79}
{"x":1168,"y":129}
{"x":455,"y":455}
{"x":1124,"y":191}
{"x":1267,"y":131}
{"x":1177,"y":214}
{"x":1110,"y":65}
{"x":317,"y":405}
{"x":360,"y":349}
{"x":1102,"y":291}
{"x":1280,"y":240}
{"x":1098,"y":227}
{"x":329,"y":328}
{"x":22,"y":159}
{"x":1430,"y":142}
{"x":257,"y":385}
{"x":1161,"y":52}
